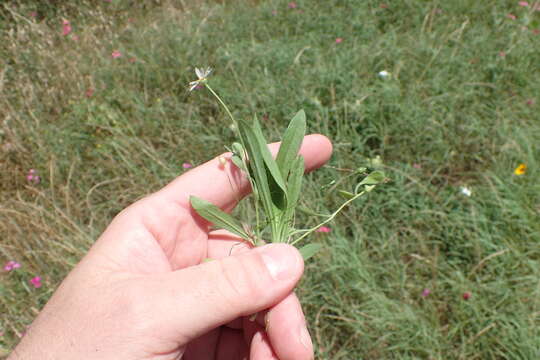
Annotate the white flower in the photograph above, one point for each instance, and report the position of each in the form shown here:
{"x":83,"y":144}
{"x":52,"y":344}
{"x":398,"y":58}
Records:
{"x":465,"y":191}
{"x":384,"y":74}
{"x":202,"y":74}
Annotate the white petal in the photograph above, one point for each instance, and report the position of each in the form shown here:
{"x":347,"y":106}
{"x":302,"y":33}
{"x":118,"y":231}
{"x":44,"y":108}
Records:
{"x":193,"y":85}
{"x":207,"y":72}
{"x":199,"y":72}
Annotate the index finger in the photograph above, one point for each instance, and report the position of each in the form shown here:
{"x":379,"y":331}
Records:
{"x":225,"y":185}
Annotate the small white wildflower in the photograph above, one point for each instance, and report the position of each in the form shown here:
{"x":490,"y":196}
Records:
{"x":384,"y":74}
{"x":465,"y":191}
{"x":202,"y":74}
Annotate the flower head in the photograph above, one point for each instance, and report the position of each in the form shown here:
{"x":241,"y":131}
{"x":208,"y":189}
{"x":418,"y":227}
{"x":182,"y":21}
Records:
{"x":187,"y":165}
{"x":520,"y":170}
{"x":339,"y":40}
{"x":426,"y":293}
{"x":465,"y":191}
{"x":384,"y":74}
{"x":33,"y":177}
{"x":202,"y":74}
{"x":323,"y":229}
{"x":466,"y":295}
{"x":116,"y":54}
{"x":523,"y":3}
{"x":66,"y":29}
{"x":292,"y":5}
{"x":36,"y":281}
{"x":11,"y":265}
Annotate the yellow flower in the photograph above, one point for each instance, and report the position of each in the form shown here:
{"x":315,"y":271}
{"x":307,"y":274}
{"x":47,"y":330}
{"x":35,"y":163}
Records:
{"x":521,"y":169}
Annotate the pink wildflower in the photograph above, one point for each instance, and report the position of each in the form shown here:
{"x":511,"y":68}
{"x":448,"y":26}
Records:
{"x":523,"y":3}
{"x":33,"y":14}
{"x":323,"y":229}
{"x":66,"y":29}
{"x":417,"y":166}
{"x":36,"y":281}
{"x":502,"y":54}
{"x":11,"y":265}
{"x":466,"y":295}
{"x":292,"y":5}
{"x":530,"y":102}
{"x":511,"y":16}
{"x":187,"y":165}
{"x":116,"y":54}
{"x":426,"y":293}
{"x":32,"y":176}
{"x":339,"y":40}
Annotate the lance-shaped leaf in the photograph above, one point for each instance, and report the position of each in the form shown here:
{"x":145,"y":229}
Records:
{"x":309,"y":250}
{"x":290,"y":145}
{"x":294,"y":186}
{"x":257,"y":169}
{"x":218,"y":217}
{"x":275,"y":179}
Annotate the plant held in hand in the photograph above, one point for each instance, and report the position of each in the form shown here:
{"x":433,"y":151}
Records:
{"x":276,"y":183}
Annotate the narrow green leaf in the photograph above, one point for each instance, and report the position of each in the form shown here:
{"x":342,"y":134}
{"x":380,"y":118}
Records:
{"x":291,"y":142}
{"x":294,"y":186}
{"x":347,"y":195}
{"x":257,"y":168}
{"x":218,"y":217}
{"x":309,"y":250}
{"x":277,"y":185}
{"x":374,"y":178}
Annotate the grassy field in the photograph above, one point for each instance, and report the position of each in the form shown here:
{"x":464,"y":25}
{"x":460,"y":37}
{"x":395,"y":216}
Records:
{"x":416,"y":270}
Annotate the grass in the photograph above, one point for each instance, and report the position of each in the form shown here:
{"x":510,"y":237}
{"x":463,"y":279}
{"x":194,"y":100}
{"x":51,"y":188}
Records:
{"x":454,"y":113}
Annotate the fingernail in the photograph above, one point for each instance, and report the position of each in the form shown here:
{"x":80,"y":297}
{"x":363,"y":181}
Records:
{"x":280,"y":260}
{"x":305,"y":338}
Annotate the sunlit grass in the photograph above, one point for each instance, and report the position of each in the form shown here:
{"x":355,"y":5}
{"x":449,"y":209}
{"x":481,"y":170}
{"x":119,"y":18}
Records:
{"x":459,"y":109}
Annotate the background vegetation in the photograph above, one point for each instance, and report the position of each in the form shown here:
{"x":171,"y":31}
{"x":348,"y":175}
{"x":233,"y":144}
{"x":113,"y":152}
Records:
{"x":415,"y":270}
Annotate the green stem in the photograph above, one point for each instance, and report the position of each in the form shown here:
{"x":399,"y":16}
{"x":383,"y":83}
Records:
{"x":223,"y":104}
{"x":330,"y":218}
{"x":241,"y":141}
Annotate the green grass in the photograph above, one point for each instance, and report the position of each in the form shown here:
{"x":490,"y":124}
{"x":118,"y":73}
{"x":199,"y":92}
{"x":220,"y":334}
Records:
{"x":453,"y":107}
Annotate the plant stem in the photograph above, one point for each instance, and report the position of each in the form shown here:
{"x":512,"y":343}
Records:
{"x":330,"y":218}
{"x":235,"y":123}
{"x":224,"y":106}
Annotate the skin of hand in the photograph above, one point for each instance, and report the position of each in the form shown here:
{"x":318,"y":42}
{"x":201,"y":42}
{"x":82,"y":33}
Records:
{"x":144,"y":291}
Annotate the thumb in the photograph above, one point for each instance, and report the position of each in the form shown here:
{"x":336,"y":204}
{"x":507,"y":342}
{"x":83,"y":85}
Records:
{"x":194,"y":300}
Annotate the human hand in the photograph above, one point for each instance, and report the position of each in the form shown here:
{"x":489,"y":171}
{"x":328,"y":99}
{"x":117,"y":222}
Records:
{"x":142,"y":291}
